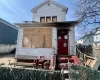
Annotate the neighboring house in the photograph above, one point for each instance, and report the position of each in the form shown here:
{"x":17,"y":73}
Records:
{"x":87,"y":39}
{"x":49,"y":33}
{"x":8,"y":32}
{"x":96,"y":37}
{"x":92,"y":38}
{"x":96,"y":44}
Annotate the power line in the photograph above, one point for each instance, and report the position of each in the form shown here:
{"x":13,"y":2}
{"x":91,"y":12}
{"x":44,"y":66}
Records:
{"x":11,"y":9}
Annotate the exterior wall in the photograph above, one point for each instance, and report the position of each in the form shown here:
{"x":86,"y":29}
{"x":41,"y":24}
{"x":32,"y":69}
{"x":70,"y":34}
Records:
{"x":72,"y":46}
{"x":97,"y":37}
{"x":8,"y":34}
{"x":31,"y":53}
{"x":87,"y":40}
{"x":51,"y":10}
{"x":96,"y":50}
{"x":96,"y":45}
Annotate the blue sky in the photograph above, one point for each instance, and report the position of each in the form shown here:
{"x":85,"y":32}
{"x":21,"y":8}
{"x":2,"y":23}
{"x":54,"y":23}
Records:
{"x":16,"y":11}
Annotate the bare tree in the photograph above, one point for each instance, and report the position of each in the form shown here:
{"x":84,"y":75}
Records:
{"x":88,"y":12}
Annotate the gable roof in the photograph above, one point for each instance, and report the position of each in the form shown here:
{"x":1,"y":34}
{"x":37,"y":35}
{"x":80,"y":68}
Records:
{"x":91,"y":33}
{"x":52,"y":1}
{"x":9,"y":24}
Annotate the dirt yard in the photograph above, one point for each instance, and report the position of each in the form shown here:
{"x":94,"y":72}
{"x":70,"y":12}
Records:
{"x":7,"y":58}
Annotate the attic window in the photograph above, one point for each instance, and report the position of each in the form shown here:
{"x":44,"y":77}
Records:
{"x":54,"y":18}
{"x":42,"y":19}
{"x":48,"y":19}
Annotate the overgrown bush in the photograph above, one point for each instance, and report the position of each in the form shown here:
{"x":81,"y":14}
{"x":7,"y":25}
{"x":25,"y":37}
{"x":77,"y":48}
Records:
{"x":83,"y":73}
{"x":25,"y":74}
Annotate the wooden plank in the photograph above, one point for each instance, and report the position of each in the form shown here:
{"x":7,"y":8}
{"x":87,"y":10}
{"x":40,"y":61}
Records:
{"x":25,"y":64}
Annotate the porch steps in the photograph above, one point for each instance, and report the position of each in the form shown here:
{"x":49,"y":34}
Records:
{"x":63,"y":60}
{"x":25,"y":64}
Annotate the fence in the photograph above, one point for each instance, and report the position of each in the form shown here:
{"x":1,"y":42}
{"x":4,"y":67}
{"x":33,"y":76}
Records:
{"x":83,"y":73}
{"x":26,"y":74}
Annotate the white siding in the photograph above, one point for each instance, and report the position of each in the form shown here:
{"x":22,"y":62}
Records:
{"x":51,"y":10}
{"x":54,"y":39}
{"x":97,"y":38}
{"x":20,"y":38}
{"x":72,"y":46}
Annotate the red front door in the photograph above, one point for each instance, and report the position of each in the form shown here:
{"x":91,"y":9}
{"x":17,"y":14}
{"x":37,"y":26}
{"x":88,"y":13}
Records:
{"x":62,"y":41}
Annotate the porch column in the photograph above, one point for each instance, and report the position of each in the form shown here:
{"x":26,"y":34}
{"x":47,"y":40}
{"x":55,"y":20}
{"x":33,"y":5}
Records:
{"x":72,"y":46}
{"x":54,"y":39}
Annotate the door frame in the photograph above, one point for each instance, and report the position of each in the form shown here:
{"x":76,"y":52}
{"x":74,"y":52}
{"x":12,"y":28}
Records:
{"x":67,"y":36}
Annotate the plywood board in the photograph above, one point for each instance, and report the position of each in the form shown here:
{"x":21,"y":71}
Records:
{"x":37,"y":37}
{"x":28,"y":30}
{"x":48,"y":39}
{"x":37,"y":41}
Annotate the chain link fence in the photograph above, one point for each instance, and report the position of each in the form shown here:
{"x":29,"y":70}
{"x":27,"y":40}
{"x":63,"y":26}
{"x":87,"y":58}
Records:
{"x":28,"y":74}
{"x":83,"y":73}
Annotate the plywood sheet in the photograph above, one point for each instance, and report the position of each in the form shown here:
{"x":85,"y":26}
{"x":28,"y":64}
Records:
{"x":37,"y":41}
{"x":28,"y":30}
{"x":48,"y":39}
{"x":37,"y":38}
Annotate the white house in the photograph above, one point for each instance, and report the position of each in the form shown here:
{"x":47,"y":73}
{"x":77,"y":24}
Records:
{"x":49,"y":33}
{"x":96,"y":44}
{"x":96,"y":37}
{"x":90,"y":38}
{"x":87,"y":39}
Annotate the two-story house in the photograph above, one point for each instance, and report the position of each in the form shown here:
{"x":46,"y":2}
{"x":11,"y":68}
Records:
{"x":47,"y":34}
{"x":87,"y":39}
{"x":96,"y":43}
{"x":93,"y":39}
